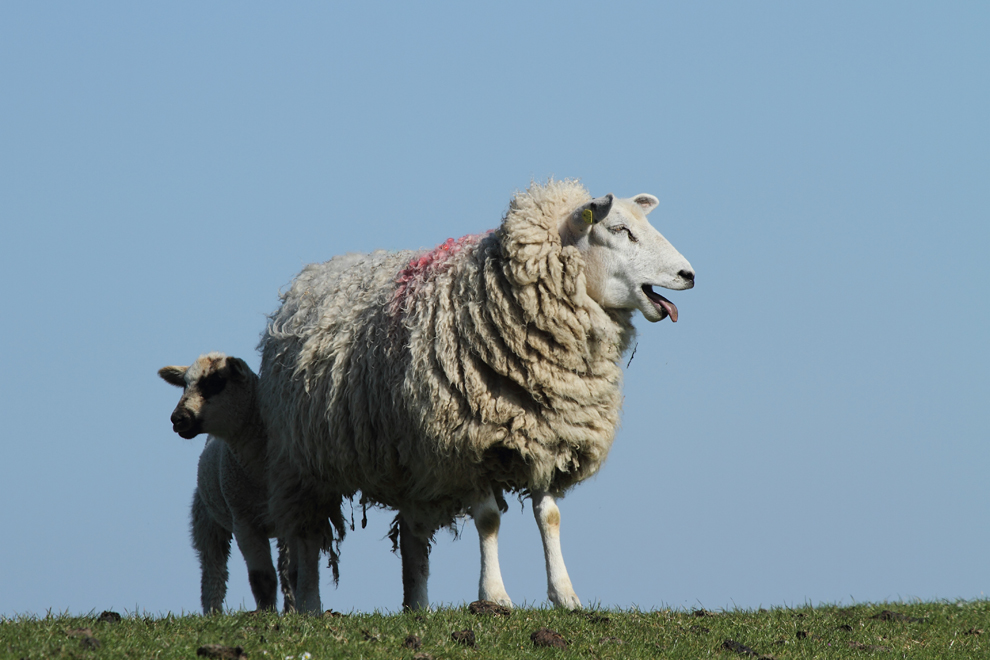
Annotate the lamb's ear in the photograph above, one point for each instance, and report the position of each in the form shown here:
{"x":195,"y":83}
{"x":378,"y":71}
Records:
{"x":238,"y":369}
{"x":591,"y":213}
{"x":646,"y":202}
{"x":174,"y":375}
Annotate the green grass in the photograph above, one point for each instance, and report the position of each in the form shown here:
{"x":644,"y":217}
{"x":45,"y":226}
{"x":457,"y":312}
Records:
{"x":915,"y":630}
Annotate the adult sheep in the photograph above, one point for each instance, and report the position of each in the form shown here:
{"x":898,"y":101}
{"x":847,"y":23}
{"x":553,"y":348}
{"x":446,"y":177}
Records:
{"x":432,"y":382}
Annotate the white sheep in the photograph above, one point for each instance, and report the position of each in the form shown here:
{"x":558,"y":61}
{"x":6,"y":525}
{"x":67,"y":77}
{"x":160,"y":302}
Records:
{"x":220,"y":398}
{"x":432,"y":382}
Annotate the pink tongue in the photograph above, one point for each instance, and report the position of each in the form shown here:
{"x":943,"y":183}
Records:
{"x":670,"y":307}
{"x":657,"y":299}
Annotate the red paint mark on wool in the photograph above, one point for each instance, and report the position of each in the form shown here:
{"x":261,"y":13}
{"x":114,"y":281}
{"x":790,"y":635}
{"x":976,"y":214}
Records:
{"x":425,"y":267}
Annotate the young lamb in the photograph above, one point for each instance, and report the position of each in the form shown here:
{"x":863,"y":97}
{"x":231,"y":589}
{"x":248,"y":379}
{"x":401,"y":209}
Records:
{"x":433,"y":382}
{"x":220,"y":398}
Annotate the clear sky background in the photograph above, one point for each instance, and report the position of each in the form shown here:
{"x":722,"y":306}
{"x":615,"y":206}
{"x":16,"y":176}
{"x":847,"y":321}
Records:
{"x":814,"y":429}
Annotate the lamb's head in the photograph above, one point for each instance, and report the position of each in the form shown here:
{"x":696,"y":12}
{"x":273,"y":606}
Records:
{"x":218,"y":394}
{"x":625,"y":257}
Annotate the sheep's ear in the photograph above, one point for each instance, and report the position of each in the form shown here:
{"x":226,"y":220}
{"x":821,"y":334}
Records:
{"x":591,"y":213}
{"x":238,"y":369}
{"x":174,"y":375}
{"x":646,"y":202}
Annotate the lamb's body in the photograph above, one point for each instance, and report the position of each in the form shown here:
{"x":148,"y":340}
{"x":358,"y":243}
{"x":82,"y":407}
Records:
{"x":431,"y":382}
{"x":231,"y":498}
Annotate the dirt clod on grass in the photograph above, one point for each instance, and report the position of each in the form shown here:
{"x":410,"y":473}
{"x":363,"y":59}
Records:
{"x":221,"y":652}
{"x":742,"y":649}
{"x":594,"y":618}
{"x":488,"y":608}
{"x":90,"y":643}
{"x":887,"y":615}
{"x":412,"y":642}
{"x":465,"y":637}
{"x":547,"y":637}
{"x":866,"y":647}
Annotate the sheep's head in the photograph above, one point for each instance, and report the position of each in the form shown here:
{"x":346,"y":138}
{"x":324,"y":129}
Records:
{"x":625,"y":257}
{"x":218,"y":393}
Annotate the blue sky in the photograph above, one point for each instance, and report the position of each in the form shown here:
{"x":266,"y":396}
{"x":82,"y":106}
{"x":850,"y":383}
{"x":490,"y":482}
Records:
{"x":813,"y":429}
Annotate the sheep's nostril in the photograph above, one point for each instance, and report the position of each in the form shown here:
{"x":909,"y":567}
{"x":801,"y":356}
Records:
{"x":687,"y":275}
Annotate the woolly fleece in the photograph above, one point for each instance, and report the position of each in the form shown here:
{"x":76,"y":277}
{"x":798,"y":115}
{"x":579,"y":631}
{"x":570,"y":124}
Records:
{"x":426,"y":380}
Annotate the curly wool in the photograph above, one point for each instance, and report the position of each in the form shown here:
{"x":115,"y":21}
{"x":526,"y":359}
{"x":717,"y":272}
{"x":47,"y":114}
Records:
{"x":425,"y":379}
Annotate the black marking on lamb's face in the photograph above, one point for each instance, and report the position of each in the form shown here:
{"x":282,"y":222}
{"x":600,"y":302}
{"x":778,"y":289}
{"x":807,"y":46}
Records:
{"x":212,"y":384}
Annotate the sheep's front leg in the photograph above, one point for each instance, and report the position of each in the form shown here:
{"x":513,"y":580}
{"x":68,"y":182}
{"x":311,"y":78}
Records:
{"x":415,"y":552}
{"x":306,"y":554}
{"x":487,"y":519}
{"x":559,"y":587}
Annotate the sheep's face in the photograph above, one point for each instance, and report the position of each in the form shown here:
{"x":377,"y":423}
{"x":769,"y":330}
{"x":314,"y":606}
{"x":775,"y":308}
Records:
{"x":625,"y":257}
{"x":217,"y":395}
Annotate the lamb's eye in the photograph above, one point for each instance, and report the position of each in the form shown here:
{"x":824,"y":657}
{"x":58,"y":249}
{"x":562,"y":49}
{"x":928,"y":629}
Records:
{"x":212,"y":385}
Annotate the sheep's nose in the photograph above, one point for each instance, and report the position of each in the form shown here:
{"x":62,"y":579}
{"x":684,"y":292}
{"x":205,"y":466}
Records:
{"x":687,"y":275}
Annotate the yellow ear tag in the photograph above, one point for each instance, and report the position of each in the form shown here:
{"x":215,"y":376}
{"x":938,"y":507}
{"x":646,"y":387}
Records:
{"x":587,"y":216}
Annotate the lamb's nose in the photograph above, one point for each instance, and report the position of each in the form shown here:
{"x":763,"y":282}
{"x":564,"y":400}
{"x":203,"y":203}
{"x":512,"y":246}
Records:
{"x":181,"y":420}
{"x":687,"y":275}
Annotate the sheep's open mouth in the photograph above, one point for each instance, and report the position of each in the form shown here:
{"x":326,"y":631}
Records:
{"x":666,"y":307}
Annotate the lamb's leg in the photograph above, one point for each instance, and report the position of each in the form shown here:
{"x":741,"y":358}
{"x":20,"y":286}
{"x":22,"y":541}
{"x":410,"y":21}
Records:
{"x":415,"y":553}
{"x":559,"y":587}
{"x":308,"y":574}
{"x":487,"y":519}
{"x":257,"y":552}
{"x":212,"y":544}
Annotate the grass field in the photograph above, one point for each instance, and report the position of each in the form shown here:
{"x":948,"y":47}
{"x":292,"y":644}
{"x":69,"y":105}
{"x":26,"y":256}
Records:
{"x":911,"y":630}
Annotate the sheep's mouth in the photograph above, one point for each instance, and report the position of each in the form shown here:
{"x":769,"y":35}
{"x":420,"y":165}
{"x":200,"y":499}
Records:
{"x":664,"y":306}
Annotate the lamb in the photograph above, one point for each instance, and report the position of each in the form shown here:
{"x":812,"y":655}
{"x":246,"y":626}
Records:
{"x":434,"y":382}
{"x":220,"y":398}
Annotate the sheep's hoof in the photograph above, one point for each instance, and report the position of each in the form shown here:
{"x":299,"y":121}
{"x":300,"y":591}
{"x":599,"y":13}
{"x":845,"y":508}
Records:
{"x":499,"y":598}
{"x":566,"y":601}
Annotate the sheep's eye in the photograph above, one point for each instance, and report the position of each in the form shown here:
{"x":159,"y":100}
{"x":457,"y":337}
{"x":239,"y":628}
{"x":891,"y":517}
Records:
{"x":623,"y":228}
{"x":212,"y":385}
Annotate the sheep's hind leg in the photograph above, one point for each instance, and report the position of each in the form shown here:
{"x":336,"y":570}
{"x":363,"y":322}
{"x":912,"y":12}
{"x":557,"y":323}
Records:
{"x":487,"y":519}
{"x":212,"y":544}
{"x":415,"y":552}
{"x":559,"y":587}
{"x":257,"y":553}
